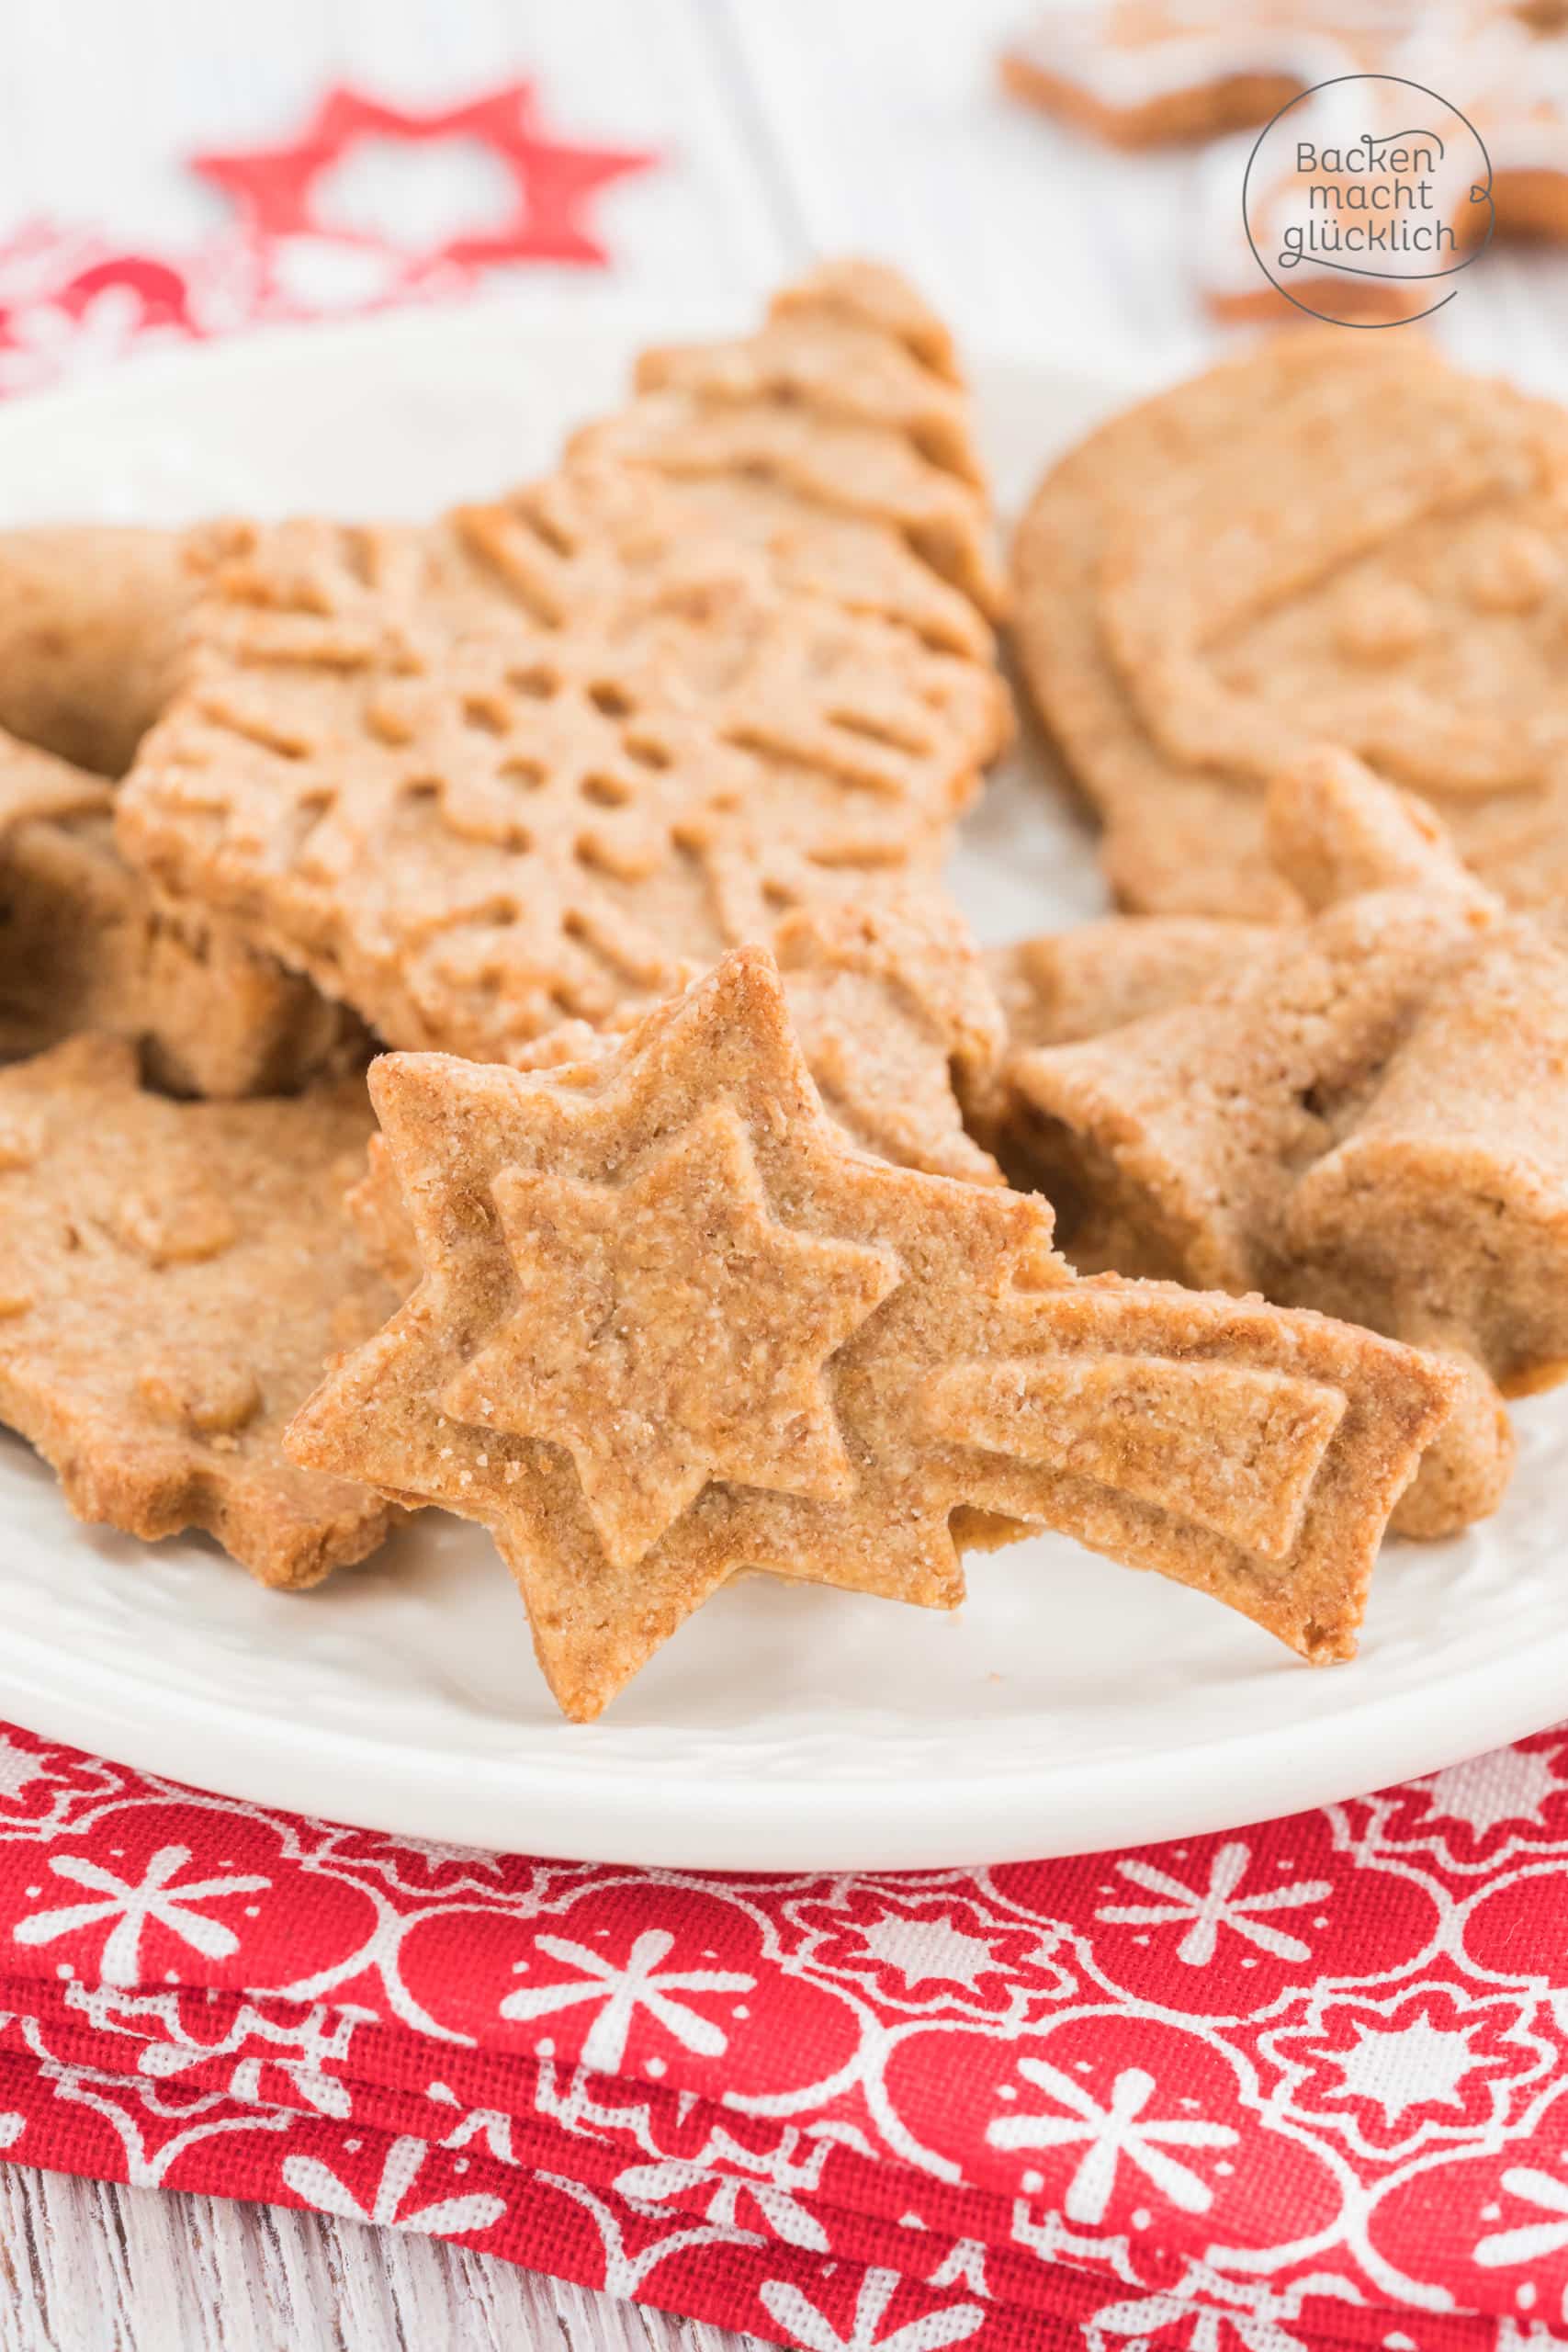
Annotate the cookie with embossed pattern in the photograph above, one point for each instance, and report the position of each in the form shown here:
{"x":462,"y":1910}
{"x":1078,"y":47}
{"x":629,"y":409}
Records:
{"x":535,"y":761}
{"x":1334,"y":539}
{"x":174,"y":1276}
{"x":893,"y":1012}
{"x":847,"y":402}
{"x":673,"y":1324}
{"x":1368,"y":1115}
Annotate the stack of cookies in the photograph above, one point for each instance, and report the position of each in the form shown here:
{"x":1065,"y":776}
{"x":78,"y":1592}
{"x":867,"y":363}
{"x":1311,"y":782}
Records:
{"x":669,"y":1236}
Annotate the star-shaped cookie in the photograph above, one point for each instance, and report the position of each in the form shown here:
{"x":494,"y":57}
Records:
{"x":657,"y":1367}
{"x":673,"y":1324}
{"x":896,"y":1019}
{"x":1363,"y":1113}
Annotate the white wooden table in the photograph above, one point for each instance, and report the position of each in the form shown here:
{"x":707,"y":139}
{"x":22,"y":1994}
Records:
{"x":789,"y":127}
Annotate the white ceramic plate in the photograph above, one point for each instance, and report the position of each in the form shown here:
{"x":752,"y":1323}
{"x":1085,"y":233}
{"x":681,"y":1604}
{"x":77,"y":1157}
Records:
{"x":1069,"y":1706}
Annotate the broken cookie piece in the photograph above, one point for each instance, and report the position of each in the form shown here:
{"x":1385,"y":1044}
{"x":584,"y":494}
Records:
{"x":92,"y":625}
{"x":86,"y":944}
{"x":673,"y":1324}
{"x":174,"y":1277}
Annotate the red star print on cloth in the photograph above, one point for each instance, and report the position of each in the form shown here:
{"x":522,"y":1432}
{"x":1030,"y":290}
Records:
{"x":554,"y":181}
{"x":73,"y":296}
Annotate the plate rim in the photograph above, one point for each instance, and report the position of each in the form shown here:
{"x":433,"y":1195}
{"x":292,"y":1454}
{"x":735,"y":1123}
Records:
{"x":707,"y":1818}
{"x":707,"y":1821}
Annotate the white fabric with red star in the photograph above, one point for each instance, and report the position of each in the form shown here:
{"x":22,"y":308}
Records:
{"x":343,"y":216}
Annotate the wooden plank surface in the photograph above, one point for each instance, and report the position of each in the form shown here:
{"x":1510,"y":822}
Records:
{"x":86,"y":2266}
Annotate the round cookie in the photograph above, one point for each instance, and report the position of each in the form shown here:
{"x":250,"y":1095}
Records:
{"x":1331,"y":538}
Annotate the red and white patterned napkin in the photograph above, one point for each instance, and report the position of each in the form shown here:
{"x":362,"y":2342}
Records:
{"x":1303,"y":2083}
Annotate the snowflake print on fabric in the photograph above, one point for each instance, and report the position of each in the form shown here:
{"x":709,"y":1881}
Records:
{"x":986,"y":2107}
{"x":152,"y":1891}
{"x":931,"y":1955}
{"x":1120,"y":2125}
{"x":1475,"y":1816}
{"x":618,"y":1989}
{"x":1120,"y":2131}
{"x":1218,"y":1908}
{"x":1227,"y":1927}
{"x":161,"y":1896}
{"x":1431,"y":2064}
{"x":668,"y":1984}
{"x":804,"y":2323}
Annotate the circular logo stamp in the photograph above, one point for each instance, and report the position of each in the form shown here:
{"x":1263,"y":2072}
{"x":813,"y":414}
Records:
{"x":1365,"y":198}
